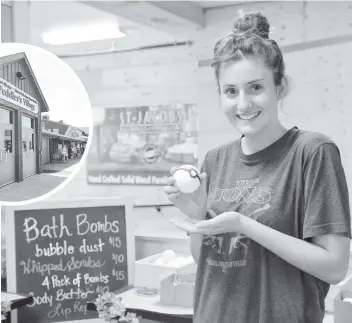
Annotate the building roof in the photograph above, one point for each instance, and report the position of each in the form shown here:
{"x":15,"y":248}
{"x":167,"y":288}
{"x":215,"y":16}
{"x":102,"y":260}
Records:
{"x":22,"y":57}
{"x":65,"y":131}
{"x":63,"y":137}
{"x":84,"y":129}
{"x":49,"y":124}
{"x":64,"y":126}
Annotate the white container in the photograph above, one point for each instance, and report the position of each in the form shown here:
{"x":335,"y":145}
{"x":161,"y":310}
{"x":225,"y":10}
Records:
{"x":149,"y":275}
{"x":180,"y":294}
{"x":342,"y":308}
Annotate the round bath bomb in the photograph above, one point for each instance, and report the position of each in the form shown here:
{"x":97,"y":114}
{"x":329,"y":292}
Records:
{"x":159,"y":262}
{"x":182,"y":261}
{"x":174,"y":264}
{"x":168,"y":255}
{"x":187,"y":178}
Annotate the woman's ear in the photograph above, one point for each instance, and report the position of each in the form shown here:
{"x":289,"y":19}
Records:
{"x":283,"y":88}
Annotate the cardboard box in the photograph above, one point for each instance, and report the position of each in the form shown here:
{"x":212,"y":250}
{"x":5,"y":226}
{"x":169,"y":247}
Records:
{"x":149,"y":275}
{"x":178,"y":290}
{"x":343,"y":309}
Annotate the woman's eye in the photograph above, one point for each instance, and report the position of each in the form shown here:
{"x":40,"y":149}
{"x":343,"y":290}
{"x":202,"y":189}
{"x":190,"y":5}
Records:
{"x":256,"y":87}
{"x":230,"y":91}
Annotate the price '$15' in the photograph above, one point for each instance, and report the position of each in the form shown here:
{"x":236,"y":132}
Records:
{"x":119,"y":274}
{"x":115,"y":242}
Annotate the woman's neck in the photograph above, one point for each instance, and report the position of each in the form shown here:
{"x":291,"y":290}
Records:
{"x":251,"y":145}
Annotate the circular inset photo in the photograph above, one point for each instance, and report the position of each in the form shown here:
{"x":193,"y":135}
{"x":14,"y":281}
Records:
{"x":45,"y":123}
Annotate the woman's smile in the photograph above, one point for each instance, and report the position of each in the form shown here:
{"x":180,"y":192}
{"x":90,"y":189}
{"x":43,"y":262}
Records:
{"x":248,"y":116}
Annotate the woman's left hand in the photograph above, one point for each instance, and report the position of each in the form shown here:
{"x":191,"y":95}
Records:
{"x":222,"y":223}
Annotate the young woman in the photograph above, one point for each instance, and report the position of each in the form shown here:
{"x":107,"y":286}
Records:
{"x":274,"y":229}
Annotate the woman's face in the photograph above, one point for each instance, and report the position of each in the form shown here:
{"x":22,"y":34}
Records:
{"x":248,"y":96}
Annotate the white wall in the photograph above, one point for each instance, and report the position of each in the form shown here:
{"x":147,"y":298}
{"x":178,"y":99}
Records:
{"x":321,"y":78}
{"x":6,"y":23}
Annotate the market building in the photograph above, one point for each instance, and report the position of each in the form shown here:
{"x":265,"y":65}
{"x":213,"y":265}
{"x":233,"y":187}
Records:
{"x":56,"y":135}
{"x":21,"y":105}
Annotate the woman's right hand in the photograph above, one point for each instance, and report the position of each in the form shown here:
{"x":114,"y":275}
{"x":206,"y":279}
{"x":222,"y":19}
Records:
{"x":183,"y":201}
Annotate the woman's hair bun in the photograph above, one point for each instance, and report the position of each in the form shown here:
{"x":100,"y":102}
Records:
{"x":252,"y":23}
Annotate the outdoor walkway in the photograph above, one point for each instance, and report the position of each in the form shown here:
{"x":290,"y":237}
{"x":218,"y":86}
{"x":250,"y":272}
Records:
{"x":38,"y":185}
{"x":59,"y":166}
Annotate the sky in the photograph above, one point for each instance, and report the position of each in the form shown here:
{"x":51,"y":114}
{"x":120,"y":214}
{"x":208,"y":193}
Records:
{"x":63,"y":90}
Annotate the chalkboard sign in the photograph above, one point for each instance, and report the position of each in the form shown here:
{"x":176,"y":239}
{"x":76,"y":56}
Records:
{"x":65,"y":257}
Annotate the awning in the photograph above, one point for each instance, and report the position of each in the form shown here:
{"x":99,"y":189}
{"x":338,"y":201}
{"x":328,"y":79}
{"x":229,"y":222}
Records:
{"x":63,"y":137}
{"x":49,"y":134}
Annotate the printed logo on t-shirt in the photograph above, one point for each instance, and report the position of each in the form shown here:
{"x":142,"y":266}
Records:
{"x":247,"y":197}
{"x":244,"y":191}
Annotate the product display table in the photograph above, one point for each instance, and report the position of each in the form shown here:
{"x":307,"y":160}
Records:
{"x":149,"y":307}
{"x":16,"y":300}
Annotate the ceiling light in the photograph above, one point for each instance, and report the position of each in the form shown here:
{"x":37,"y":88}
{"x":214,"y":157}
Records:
{"x":80,"y":34}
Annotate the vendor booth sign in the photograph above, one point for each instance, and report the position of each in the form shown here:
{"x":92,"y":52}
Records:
{"x":65,"y":253}
{"x":139,"y":145}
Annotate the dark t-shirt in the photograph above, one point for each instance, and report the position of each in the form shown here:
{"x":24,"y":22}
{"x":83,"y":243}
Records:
{"x":297,"y":186}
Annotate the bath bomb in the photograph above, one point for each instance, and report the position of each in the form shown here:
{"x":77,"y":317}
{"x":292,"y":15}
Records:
{"x":159,"y":262}
{"x":174,"y":264}
{"x":187,"y":178}
{"x":182,"y":261}
{"x":168,"y":256}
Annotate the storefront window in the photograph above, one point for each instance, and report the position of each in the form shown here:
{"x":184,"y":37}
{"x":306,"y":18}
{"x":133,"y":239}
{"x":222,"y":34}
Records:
{"x":6,"y":116}
{"x":8,"y":141}
{"x":31,"y":143}
{"x":27,"y":122}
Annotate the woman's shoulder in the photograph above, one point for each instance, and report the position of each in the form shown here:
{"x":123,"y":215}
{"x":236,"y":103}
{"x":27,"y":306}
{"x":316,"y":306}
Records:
{"x":310,"y":141}
{"x":314,"y":138}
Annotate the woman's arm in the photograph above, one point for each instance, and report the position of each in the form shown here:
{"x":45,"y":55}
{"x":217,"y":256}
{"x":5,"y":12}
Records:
{"x":195,"y":239}
{"x":196,"y":243}
{"x":326,"y":258}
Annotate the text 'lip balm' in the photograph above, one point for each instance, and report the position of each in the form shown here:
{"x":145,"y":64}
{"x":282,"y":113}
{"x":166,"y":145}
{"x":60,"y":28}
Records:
{"x":187,"y":178}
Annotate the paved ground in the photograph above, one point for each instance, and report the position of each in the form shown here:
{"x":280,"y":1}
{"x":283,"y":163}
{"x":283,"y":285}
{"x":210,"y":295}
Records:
{"x":59,"y":166}
{"x":38,"y":185}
